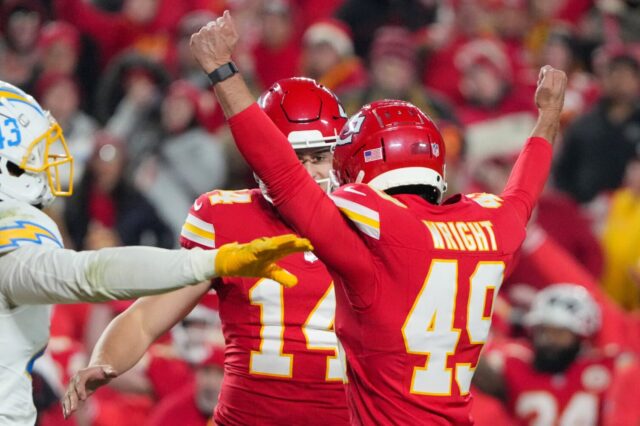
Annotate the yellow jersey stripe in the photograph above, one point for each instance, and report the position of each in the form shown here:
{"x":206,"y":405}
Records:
{"x":199,"y":231}
{"x":356,"y":217}
{"x":206,"y":242}
{"x":356,"y":208}
{"x":199,"y":223}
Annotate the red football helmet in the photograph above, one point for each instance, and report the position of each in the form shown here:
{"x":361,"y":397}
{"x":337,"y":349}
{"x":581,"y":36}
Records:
{"x":308,"y":114}
{"x":388,"y":144}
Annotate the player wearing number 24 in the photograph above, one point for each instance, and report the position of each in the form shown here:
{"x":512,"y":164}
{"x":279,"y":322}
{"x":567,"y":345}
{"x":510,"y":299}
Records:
{"x":281,"y":361}
{"x":558,"y":377}
{"x":415,"y":276}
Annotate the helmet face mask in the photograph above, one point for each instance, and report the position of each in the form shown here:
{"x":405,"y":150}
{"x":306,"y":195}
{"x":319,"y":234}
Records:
{"x":55,"y":157}
{"x":390,"y":144}
{"x":309,"y":140}
{"x":307,"y":113}
{"x":32,"y":141}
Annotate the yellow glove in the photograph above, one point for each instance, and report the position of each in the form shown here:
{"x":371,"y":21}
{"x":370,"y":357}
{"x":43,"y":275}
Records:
{"x":256,"y":259}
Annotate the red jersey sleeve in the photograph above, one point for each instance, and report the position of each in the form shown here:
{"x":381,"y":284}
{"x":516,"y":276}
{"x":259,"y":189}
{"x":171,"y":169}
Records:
{"x":528,"y":177}
{"x":300,"y":200}
{"x":198,"y":229}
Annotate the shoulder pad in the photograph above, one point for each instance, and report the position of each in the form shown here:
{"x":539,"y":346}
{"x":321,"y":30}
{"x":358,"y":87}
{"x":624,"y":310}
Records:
{"x":359,"y":203}
{"x":486,"y":200}
{"x":198,"y":228}
{"x":22,"y":224}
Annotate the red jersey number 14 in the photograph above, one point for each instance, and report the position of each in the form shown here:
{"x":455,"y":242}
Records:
{"x":270,"y":359}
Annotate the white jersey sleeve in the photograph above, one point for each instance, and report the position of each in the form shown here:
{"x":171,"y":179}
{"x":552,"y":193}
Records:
{"x":33,"y":276}
{"x":37,"y":270}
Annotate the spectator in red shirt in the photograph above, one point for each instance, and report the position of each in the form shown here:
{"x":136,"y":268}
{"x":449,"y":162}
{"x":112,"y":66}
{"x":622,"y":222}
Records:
{"x":394,"y":75}
{"x":312,"y":10}
{"x":146,"y":24}
{"x":467,"y":21}
{"x":496,"y":113}
{"x":328,"y":57}
{"x":59,"y":45}
{"x":562,"y":51}
{"x":512,"y":22}
{"x":193,"y":405}
{"x":277,"y":54}
{"x":68,"y":321}
{"x":20,"y":22}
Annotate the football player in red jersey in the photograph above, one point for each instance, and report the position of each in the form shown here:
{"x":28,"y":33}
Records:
{"x":415,"y":277}
{"x":281,"y":360}
{"x":560,"y":379}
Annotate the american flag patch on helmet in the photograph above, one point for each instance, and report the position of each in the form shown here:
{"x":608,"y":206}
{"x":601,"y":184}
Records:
{"x":373,"y":155}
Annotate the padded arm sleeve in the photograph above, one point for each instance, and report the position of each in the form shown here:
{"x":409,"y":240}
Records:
{"x":39,"y":275}
{"x":528,"y":177}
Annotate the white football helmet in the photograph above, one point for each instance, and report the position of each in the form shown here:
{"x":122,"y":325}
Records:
{"x":196,"y":334}
{"x":33,"y":152}
{"x":567,"y":306}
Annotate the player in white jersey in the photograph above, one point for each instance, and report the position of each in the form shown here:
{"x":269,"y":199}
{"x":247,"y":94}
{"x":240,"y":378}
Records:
{"x":37,"y":270}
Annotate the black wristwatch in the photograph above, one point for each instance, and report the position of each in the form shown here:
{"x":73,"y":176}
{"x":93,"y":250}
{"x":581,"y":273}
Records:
{"x":222,"y":73}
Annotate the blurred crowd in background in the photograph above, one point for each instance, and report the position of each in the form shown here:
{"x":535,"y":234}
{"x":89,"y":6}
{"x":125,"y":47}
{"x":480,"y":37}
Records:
{"x":148,"y":137}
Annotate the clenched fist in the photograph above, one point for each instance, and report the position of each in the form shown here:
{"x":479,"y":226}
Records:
{"x":213,"y":45}
{"x":551,"y":87}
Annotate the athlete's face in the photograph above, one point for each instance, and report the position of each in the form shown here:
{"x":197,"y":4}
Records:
{"x":555,"y":348}
{"x":208,"y":384}
{"x":318,"y":163}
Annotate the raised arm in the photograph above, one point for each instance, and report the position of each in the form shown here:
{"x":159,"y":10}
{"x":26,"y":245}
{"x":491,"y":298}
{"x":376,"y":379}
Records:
{"x":299,"y":199}
{"x":36,"y":275}
{"x":532,"y":168}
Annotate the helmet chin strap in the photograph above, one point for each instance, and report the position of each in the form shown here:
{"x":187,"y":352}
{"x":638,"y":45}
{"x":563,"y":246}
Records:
{"x":263,"y":189}
{"x":325,"y":183}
